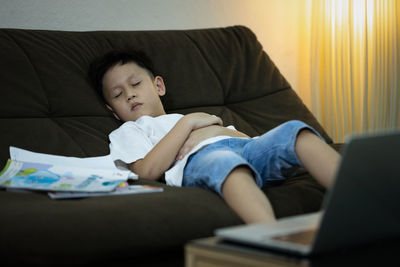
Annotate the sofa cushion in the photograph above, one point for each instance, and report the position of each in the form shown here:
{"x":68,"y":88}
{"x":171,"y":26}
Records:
{"x":47,"y":105}
{"x":222,"y":71}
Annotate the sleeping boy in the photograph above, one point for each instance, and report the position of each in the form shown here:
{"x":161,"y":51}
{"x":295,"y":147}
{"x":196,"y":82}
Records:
{"x":195,"y":149}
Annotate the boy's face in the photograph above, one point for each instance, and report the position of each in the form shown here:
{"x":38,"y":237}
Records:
{"x":131,"y":92}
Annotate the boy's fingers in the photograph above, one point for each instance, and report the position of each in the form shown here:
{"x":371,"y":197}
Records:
{"x":219,"y":120}
{"x":179,"y":156}
{"x":186,"y":148}
{"x":182,"y":153}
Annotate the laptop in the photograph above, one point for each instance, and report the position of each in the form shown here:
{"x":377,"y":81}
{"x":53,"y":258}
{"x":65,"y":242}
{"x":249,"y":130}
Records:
{"x":362,"y":206}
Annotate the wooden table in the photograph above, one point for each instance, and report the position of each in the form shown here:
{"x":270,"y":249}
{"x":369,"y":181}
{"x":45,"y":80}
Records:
{"x":210,"y":252}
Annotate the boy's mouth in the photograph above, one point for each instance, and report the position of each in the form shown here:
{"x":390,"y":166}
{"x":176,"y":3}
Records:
{"x":136,"y":106}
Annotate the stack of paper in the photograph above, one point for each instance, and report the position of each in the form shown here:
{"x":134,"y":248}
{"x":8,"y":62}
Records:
{"x":67,"y":177}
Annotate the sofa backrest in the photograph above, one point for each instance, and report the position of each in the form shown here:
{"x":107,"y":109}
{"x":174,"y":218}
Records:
{"x":48,"y":105}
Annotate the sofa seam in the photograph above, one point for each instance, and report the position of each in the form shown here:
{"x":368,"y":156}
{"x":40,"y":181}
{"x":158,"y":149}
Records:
{"x":70,"y":136}
{"x":250,"y":125}
{"x":33,"y":67}
{"x":259,"y":96}
{"x":226,"y":103}
{"x":208,"y":64}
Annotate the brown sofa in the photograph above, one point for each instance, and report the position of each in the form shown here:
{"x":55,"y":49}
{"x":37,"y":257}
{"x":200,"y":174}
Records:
{"x":47,"y":105}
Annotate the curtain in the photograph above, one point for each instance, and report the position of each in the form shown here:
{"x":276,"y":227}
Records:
{"x":355,"y":65}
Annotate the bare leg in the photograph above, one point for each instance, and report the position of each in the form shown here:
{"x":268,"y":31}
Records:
{"x":317,"y":157}
{"x":243,"y":195}
{"x":251,"y":204}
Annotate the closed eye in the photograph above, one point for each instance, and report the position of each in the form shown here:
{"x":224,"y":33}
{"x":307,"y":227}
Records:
{"x":135,"y":84}
{"x":118,"y":95}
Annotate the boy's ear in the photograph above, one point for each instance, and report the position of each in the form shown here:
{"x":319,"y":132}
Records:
{"x":111,"y":109}
{"x":159,"y":83}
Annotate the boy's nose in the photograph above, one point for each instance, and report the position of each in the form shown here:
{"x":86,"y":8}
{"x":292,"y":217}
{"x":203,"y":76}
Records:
{"x":132,"y":96}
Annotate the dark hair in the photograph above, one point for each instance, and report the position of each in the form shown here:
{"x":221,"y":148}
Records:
{"x":101,"y":65}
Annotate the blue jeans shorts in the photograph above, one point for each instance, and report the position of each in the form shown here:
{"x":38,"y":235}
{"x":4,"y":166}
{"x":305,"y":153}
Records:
{"x":271,"y":157}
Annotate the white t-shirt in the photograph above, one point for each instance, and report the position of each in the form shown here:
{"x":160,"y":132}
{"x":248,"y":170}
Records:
{"x":134,"y":139}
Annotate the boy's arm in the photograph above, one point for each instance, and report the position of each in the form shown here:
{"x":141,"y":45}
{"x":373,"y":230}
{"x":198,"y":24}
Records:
{"x":204,"y":133}
{"x":161,"y":157}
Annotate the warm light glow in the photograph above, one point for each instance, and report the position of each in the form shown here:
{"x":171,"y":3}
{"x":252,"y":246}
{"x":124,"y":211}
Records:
{"x":355,"y":65}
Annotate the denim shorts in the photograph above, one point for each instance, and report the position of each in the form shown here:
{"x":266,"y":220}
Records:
{"x":271,"y":157}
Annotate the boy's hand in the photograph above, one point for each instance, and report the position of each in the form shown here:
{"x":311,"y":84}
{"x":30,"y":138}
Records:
{"x":204,"y":133}
{"x":196,"y":137}
{"x":163,"y":154}
{"x":199,"y":120}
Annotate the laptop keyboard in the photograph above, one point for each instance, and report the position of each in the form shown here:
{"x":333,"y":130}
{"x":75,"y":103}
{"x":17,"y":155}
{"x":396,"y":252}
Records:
{"x":305,"y":237}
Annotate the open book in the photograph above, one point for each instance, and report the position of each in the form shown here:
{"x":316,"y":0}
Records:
{"x":93,"y":176}
{"x":122,"y":189}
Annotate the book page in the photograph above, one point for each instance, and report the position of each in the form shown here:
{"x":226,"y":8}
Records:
{"x":50,"y":177}
{"x":102,"y":162}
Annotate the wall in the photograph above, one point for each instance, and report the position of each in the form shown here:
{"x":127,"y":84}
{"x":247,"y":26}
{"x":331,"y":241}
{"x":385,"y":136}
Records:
{"x":276,"y":22}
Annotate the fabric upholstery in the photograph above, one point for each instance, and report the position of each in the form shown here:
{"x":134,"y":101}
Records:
{"x":47,"y":105}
